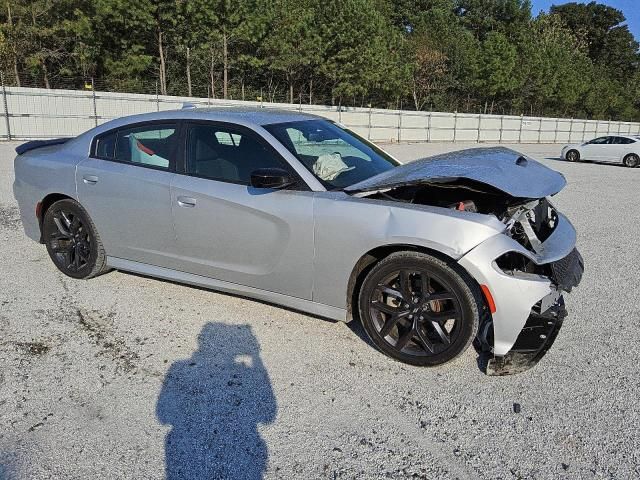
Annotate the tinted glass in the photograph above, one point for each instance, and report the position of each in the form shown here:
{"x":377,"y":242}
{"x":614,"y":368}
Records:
{"x":106,"y":146}
{"x":623,"y":141}
{"x":600,"y":141}
{"x":151,"y":145}
{"x":224,"y":154}
{"x":335,"y":155}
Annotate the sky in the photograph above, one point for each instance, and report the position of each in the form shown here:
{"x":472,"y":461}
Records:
{"x":630,"y":8}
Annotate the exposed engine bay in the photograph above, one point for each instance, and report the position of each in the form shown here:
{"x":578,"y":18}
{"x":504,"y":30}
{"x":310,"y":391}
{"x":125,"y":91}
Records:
{"x":528,"y":221}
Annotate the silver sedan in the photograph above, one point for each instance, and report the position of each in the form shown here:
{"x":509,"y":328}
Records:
{"x":300,"y":211}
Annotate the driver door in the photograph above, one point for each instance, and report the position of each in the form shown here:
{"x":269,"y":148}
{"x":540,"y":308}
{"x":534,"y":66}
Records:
{"x":230,"y":231}
{"x":596,"y":149}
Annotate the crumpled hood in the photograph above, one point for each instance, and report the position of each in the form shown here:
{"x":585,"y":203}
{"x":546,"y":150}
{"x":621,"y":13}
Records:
{"x":500,"y":167}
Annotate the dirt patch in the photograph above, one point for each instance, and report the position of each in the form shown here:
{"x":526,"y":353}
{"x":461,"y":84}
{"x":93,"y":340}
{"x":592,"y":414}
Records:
{"x":9,"y":217}
{"x":97,"y":327}
{"x":34,"y":349}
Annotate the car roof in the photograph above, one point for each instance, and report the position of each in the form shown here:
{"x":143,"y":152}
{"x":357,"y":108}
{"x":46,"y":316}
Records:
{"x":247,"y":116}
{"x":621,"y":135}
{"x":251,"y":117}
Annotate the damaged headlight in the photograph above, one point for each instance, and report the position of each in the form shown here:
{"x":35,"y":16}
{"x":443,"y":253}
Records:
{"x":531,"y":223}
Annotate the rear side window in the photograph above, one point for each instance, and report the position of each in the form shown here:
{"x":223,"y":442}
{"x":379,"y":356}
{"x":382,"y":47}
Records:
{"x":149,"y":145}
{"x":623,"y":141}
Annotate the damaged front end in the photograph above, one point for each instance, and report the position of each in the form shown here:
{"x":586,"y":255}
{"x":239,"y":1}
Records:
{"x":525,"y":269}
{"x":532,"y":225}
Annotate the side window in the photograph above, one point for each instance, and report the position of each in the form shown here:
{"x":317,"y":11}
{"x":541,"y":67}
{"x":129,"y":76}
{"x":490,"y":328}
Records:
{"x":150,"y":145}
{"x":600,"y":141}
{"x":106,"y":146}
{"x":220,"y":153}
{"x":623,"y":141}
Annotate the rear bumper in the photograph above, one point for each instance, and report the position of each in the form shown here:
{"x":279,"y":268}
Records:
{"x":27,"y":209}
{"x":535,"y":339}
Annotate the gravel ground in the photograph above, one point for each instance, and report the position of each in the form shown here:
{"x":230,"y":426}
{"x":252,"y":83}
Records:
{"x":129,"y":377}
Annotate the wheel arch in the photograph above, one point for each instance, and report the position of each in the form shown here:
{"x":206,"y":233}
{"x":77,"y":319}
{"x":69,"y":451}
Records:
{"x":45,"y":204}
{"x":373,"y":256}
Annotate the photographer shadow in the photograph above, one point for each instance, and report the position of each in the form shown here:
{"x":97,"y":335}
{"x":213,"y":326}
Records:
{"x":214,"y":402}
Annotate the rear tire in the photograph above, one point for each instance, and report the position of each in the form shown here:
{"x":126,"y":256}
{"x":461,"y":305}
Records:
{"x":72,"y":240}
{"x":419,"y":309}
{"x":632,"y":160}
{"x":573,"y":156}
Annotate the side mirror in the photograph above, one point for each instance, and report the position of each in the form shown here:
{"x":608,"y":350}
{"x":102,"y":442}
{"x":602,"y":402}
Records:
{"x":271,"y":178}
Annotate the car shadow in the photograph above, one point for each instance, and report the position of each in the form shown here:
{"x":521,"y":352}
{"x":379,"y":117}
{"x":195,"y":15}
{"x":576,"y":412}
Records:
{"x":593,"y":162}
{"x":482,"y":358}
{"x":214,"y":402}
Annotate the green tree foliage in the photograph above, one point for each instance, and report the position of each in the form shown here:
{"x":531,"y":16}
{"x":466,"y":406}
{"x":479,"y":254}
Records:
{"x":462,"y":55}
{"x":497,"y":76}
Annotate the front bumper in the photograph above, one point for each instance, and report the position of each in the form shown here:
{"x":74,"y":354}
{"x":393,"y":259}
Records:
{"x":534,"y":340}
{"x":521,"y":298}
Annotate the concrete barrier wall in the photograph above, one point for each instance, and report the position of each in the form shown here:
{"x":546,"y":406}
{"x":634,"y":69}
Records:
{"x":30,"y":113}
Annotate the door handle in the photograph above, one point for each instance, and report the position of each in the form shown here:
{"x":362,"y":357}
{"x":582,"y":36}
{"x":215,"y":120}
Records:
{"x":90,"y":179}
{"x":187,"y":202}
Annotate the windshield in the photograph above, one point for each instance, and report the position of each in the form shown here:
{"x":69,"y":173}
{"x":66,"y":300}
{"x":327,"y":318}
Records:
{"x":335,"y":155}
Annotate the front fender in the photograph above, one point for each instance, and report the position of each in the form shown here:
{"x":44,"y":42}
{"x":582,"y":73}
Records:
{"x":347,"y":228}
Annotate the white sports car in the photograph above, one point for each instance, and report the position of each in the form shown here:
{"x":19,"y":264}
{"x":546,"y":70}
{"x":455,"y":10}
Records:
{"x":623,"y":149}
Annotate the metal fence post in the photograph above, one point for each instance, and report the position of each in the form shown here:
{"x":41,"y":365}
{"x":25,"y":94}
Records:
{"x":455,"y":125}
{"x":501,"y":128}
{"x":479,"y":127}
{"x":555,"y":135}
{"x":6,"y":108}
{"x":95,"y":107}
{"x":157,"y":99}
{"x":539,"y":129}
{"x":399,"y":126}
{"x":369,"y":130}
{"x":584,"y":130}
{"x":520,"y":134}
{"x":429,"y":127}
{"x":570,"y":130}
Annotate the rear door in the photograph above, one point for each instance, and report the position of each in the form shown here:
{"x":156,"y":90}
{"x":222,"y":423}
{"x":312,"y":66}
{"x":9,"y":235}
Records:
{"x":230,"y":231}
{"x":125,"y":186}
{"x":620,"y":147}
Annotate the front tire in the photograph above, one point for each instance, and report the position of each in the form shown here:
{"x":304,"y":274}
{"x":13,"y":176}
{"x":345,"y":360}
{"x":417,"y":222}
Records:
{"x":72,"y":240}
{"x":419,"y":309}
{"x":632,"y":160}
{"x":573,"y":156}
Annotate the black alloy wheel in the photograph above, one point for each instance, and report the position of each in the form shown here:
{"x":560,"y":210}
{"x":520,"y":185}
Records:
{"x":418,"y":309}
{"x":72,"y":241}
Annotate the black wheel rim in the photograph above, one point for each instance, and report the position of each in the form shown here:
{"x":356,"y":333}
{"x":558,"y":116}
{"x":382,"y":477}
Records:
{"x":69,"y":241}
{"x":416,"y":312}
{"x":572,"y":156}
